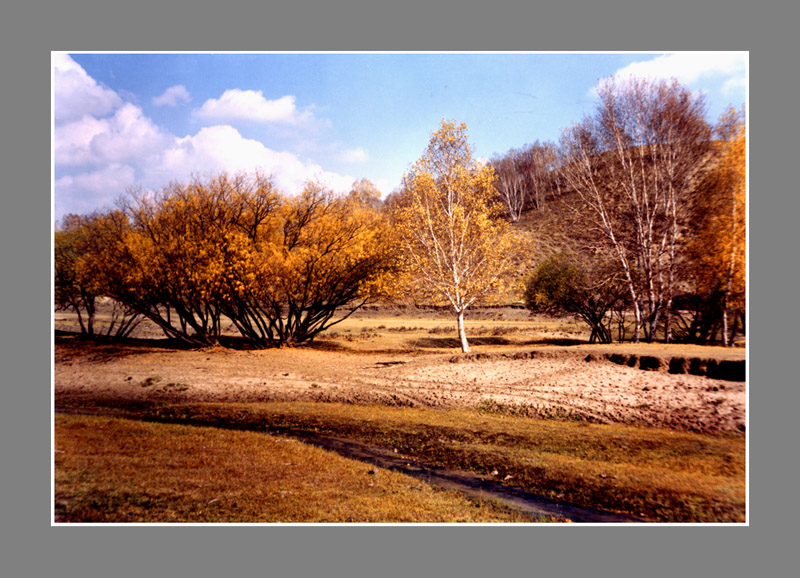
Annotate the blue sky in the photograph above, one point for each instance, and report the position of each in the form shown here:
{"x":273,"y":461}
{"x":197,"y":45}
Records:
{"x":127,"y":120}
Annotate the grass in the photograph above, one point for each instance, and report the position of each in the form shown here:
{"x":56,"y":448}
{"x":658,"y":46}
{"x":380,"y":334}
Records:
{"x":141,"y":471}
{"x":110,"y":469}
{"x":403,"y":330}
{"x":666,"y":476}
{"x":434,"y":331}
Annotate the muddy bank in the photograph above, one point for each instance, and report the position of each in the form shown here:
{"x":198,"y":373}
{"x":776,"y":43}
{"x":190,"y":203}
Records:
{"x":728,"y":370}
{"x":548,"y":382}
{"x":469,"y":483}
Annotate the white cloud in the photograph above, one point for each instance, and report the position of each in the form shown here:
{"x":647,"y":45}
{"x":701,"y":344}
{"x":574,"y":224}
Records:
{"x":223,"y":148}
{"x":73,"y":140}
{"x":734,"y":85}
{"x":103,"y":145}
{"x":250,"y":105}
{"x":689,"y":68}
{"x":384,"y":186}
{"x":128,"y":135}
{"x":354,"y":156}
{"x":76,"y":94}
{"x":172,"y":96}
{"x":87,"y":191}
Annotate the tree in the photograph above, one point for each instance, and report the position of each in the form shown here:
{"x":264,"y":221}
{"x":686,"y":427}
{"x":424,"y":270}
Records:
{"x":718,"y":248}
{"x":366,"y":193}
{"x":538,"y":163}
{"x":510,"y":184}
{"x":323,"y":254}
{"x":73,"y":290}
{"x":455,"y":246}
{"x":234,"y":248}
{"x":560,"y":285}
{"x":81,"y":275}
{"x":182,"y":245}
{"x":632,"y":166}
{"x":525,"y":177}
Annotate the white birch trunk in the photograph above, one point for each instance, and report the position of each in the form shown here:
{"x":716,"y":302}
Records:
{"x":462,"y":334}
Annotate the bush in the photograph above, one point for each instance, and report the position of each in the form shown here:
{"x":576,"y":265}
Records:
{"x":560,"y":286}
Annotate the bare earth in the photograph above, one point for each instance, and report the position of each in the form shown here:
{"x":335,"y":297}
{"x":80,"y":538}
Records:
{"x":560,"y":383}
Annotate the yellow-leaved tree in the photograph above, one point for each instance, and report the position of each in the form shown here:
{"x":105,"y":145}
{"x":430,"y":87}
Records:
{"x":718,"y":250}
{"x":456,"y":247}
{"x":232,"y":248}
{"x":328,"y":253}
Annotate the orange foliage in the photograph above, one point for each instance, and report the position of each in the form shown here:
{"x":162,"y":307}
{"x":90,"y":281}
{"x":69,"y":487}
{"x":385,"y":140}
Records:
{"x":232,"y":246}
{"x":719,"y":248}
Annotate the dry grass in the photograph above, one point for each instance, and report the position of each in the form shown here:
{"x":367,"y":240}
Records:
{"x":434,"y":331}
{"x":113,"y":470}
{"x":666,"y":476}
{"x":405,"y":330}
{"x":116,"y":470}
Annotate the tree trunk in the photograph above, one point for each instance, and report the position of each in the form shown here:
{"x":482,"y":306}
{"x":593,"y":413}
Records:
{"x":462,"y":334}
{"x":90,"y":313}
{"x":637,"y":312}
{"x":80,"y":321}
{"x":725,"y":323}
{"x":734,"y":331}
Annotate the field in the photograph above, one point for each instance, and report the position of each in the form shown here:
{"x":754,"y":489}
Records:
{"x":533,"y":409}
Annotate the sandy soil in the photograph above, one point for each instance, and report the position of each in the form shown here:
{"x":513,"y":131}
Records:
{"x":559,"y":383}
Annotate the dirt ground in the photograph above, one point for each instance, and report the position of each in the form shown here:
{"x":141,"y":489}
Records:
{"x":556,"y":382}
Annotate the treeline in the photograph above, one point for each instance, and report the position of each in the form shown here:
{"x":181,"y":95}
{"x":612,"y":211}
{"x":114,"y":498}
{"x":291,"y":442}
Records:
{"x":637,"y":213}
{"x":226,"y":247}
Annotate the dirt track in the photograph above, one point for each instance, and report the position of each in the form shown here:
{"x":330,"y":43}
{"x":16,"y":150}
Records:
{"x":559,"y":383}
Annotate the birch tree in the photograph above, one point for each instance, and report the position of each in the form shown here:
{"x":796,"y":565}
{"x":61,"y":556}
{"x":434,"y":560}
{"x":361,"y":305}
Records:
{"x":538,"y":164}
{"x":632,"y":165}
{"x":510,"y":184}
{"x":525,"y":177}
{"x":457,"y":248}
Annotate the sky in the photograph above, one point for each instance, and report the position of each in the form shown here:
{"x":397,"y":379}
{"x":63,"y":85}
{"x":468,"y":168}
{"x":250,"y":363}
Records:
{"x":122,"y":121}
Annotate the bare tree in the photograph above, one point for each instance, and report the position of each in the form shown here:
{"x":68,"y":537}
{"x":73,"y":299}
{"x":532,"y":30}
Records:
{"x":632,"y":165}
{"x":510,"y":183}
{"x":525,"y":177}
{"x":538,"y":163}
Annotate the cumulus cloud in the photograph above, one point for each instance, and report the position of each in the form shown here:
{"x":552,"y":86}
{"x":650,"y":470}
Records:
{"x":73,"y":141}
{"x":76,"y":94}
{"x":104,"y":146}
{"x":223,"y":148}
{"x":128,"y":135}
{"x":689,"y":68}
{"x":354,"y":156}
{"x":251,"y":105}
{"x":172,"y":96}
{"x":87,"y":191}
